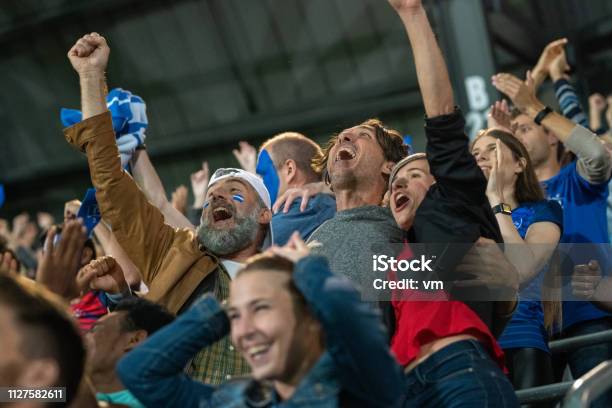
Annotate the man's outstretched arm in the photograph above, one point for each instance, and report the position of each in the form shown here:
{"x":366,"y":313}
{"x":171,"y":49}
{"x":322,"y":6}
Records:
{"x":138,"y":226}
{"x":148,"y":180}
{"x":89,"y":58}
{"x":432,"y":73}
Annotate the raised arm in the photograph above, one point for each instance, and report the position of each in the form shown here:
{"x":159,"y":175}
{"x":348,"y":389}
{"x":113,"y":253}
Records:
{"x":531,"y":253}
{"x":542,"y":68}
{"x":138,"y":226}
{"x":149,"y":182}
{"x":565,"y":92}
{"x":594,"y":164}
{"x":434,"y":82}
{"x":111,"y":247}
{"x":597,"y":105}
{"x":89,"y":58}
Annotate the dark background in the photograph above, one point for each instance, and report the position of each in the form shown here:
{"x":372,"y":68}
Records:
{"x":214,"y":72}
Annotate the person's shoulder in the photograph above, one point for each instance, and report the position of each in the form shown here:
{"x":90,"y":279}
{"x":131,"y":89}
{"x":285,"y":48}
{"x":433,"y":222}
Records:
{"x":325,"y":228}
{"x":569,"y":174}
{"x":324,"y":200}
{"x":317,"y":203}
{"x":565,"y":173}
{"x":547,"y":210}
{"x":542,"y":205}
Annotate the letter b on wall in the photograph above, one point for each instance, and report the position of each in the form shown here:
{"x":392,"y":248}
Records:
{"x":476,"y":89}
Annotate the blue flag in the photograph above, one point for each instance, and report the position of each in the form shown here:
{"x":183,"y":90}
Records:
{"x":89,"y":211}
{"x":408,"y":142}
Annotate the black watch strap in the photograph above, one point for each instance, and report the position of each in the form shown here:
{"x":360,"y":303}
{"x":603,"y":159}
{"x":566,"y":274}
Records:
{"x":502,"y":208}
{"x":541,"y":115}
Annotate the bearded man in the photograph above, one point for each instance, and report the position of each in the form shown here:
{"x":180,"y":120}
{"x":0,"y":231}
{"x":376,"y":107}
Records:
{"x":178,"y":265}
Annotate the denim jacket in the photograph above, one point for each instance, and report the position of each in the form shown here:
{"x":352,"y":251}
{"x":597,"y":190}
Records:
{"x":356,"y":369}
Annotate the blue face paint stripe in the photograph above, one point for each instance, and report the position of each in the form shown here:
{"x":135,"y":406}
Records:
{"x":238,"y":197}
{"x":206,"y":204}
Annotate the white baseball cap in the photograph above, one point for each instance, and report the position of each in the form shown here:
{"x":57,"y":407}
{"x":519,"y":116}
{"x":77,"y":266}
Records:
{"x":257,"y":184}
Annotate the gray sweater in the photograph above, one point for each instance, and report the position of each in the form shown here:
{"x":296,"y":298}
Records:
{"x":351,"y":237}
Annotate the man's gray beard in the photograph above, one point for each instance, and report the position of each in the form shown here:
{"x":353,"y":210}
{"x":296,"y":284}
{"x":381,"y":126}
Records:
{"x":225,"y":242}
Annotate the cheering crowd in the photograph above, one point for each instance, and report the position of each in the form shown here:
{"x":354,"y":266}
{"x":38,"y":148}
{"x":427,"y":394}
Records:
{"x":256,"y":296}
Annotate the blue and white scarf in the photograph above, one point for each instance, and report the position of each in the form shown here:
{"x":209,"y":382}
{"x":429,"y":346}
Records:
{"x":129,"y":113}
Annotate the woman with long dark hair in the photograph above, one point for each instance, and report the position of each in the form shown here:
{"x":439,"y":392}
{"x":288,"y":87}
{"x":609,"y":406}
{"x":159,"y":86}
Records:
{"x":531,"y":227}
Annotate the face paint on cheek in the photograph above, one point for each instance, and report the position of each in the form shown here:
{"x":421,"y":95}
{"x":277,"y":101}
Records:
{"x":238,"y":197}
{"x":265,"y":168}
{"x":206,"y":204}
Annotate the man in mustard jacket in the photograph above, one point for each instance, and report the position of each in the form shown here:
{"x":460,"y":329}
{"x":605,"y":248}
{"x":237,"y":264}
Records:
{"x":178,"y":265}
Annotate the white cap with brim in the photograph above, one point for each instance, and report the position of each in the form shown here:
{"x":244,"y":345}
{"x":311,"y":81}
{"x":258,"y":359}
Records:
{"x":257,"y":184}
{"x":402,"y":163}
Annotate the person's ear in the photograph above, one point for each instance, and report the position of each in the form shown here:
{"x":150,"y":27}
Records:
{"x":42,"y":373}
{"x":521,"y":165}
{"x":136,"y":337}
{"x":265,"y":216}
{"x":387,"y":167}
{"x":290,"y":170}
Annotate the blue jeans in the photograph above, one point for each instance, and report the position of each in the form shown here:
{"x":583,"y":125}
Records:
{"x":460,"y":375}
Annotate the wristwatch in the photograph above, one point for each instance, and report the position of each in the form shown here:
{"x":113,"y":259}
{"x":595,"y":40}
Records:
{"x":502,"y":208}
{"x":541,"y":115}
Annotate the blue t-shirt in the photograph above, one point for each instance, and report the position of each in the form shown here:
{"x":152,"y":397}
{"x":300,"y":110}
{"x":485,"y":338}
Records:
{"x":526,"y":328}
{"x":123,"y":397}
{"x":584,"y":222}
{"x":319,"y":209}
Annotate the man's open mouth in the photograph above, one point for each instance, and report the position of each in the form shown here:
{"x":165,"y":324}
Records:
{"x":221,"y":214}
{"x":345,"y":153}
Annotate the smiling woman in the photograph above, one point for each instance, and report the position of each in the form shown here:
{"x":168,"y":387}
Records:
{"x":288,"y":318}
{"x":271,"y":324}
{"x":531,"y":227}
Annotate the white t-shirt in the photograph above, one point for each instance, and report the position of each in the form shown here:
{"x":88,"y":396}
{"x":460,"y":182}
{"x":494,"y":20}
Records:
{"x":231,"y":267}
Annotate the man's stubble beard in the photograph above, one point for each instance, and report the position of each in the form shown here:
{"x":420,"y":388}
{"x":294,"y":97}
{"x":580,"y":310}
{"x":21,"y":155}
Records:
{"x":344,"y":181}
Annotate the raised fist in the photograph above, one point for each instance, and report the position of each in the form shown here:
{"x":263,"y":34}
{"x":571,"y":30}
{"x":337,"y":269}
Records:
{"x":89,"y":54}
{"x":104,"y":274}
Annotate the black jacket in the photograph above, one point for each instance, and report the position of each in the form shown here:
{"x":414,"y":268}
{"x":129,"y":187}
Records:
{"x":455,"y":211}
